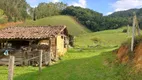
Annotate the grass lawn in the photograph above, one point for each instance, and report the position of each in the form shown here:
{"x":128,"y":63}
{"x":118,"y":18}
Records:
{"x":106,"y":38}
{"x":75,"y":65}
{"x":73,"y":27}
{"x":88,"y":64}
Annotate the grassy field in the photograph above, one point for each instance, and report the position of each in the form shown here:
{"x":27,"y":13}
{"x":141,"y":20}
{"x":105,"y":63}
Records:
{"x":105,"y":38}
{"x":73,"y":27}
{"x":83,"y":62}
{"x":89,"y":64}
{"x":75,"y":65}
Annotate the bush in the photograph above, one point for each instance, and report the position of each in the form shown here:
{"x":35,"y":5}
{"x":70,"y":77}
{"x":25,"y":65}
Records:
{"x":137,"y":40}
{"x":3,"y":19}
{"x":96,"y":40}
{"x":124,"y":31}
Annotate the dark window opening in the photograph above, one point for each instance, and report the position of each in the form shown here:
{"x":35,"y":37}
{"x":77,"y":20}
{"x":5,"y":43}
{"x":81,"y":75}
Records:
{"x":19,"y":44}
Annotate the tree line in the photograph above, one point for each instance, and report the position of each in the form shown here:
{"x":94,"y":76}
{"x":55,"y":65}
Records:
{"x":93,"y":20}
{"x":49,"y":9}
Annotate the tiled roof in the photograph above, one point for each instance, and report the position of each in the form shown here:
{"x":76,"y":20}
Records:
{"x":30,"y":32}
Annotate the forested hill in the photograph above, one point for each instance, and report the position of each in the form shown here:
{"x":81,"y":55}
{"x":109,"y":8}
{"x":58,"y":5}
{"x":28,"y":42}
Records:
{"x":93,"y":20}
{"x":96,"y":21}
{"x":128,"y":14}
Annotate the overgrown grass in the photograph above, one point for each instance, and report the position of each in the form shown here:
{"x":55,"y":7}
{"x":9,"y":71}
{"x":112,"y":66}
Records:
{"x":137,"y":40}
{"x":73,"y":27}
{"x":107,"y":38}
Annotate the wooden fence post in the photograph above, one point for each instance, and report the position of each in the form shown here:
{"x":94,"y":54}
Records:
{"x":133,"y":34}
{"x":50,"y":51}
{"x":40,"y":60}
{"x":45,"y":57}
{"x":11,"y":68}
{"x":128,"y":30}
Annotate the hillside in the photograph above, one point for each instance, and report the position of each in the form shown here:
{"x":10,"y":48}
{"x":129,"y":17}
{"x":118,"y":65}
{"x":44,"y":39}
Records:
{"x":104,"y":38}
{"x":127,"y":13}
{"x":73,"y":27}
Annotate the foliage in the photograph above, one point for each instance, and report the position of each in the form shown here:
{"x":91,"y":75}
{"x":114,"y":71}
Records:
{"x":87,"y":17}
{"x":1,"y":12}
{"x":96,"y":40}
{"x":93,"y":20}
{"x":49,"y":9}
{"x":128,"y":15}
{"x":15,"y":9}
{"x":137,"y":40}
{"x":3,"y":20}
{"x":124,"y":31}
{"x":3,"y":17}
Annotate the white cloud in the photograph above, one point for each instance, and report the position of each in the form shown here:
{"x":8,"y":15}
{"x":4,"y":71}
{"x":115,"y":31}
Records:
{"x":54,"y":1}
{"x":120,"y":5}
{"x":80,"y":3}
{"x":109,"y":13}
{"x":34,"y":3}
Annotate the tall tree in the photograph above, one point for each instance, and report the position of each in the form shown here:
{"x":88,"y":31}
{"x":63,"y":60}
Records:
{"x":15,"y":9}
{"x":49,"y":9}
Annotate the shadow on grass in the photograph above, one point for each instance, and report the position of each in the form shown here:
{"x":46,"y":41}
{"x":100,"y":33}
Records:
{"x":94,"y":68}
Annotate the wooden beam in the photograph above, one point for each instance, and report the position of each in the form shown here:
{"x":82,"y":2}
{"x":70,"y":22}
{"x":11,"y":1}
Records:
{"x":56,"y":53}
{"x":40,"y":60}
{"x":50,"y":51}
{"x":11,"y":67}
{"x":46,"y":58}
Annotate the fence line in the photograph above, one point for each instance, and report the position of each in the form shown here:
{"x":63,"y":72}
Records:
{"x":12,"y":62}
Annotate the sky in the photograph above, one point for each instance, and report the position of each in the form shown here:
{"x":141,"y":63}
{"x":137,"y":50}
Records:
{"x":103,"y":6}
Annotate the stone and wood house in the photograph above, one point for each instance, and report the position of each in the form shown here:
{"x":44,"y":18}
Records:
{"x":25,"y":44}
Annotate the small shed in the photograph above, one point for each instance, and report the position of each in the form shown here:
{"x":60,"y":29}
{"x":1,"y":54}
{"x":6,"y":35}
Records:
{"x":25,"y":44}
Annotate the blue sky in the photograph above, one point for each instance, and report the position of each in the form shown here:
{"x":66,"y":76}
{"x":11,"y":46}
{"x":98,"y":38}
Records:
{"x":103,"y":6}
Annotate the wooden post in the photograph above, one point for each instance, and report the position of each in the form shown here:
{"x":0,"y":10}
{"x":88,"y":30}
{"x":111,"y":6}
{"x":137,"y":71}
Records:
{"x":50,"y":52}
{"x":56,"y":53}
{"x":128,"y":30}
{"x":11,"y":68}
{"x":133,"y":34}
{"x":45,"y":57}
{"x":40,"y":60}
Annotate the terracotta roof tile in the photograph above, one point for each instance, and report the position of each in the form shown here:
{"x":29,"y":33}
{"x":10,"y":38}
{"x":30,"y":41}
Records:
{"x":30,"y":32}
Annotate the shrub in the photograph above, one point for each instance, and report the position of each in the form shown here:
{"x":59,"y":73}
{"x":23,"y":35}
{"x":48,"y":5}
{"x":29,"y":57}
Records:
{"x":124,"y":31}
{"x":3,"y":19}
{"x":137,"y":40}
{"x":96,"y":40}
